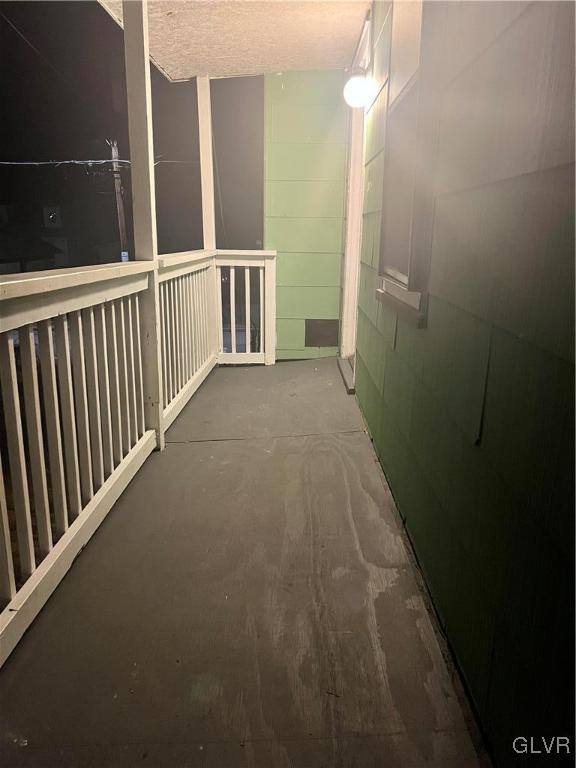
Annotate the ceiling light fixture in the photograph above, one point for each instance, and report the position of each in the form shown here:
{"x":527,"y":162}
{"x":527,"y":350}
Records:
{"x":360,"y":90}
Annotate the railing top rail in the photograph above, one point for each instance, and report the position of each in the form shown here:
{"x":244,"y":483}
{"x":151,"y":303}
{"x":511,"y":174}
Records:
{"x":33,"y":283}
{"x":184,"y":257}
{"x":234,"y":254}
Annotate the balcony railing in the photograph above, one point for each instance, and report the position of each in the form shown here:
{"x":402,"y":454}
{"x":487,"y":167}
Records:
{"x":75,"y":352}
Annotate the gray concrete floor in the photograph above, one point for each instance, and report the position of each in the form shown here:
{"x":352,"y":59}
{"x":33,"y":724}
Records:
{"x":249,"y":601}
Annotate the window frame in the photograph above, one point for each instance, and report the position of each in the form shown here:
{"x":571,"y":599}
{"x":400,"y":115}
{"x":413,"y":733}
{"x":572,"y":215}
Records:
{"x":408,"y":292}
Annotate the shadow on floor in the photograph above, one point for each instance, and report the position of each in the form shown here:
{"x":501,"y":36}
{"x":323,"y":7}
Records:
{"x":249,"y":601}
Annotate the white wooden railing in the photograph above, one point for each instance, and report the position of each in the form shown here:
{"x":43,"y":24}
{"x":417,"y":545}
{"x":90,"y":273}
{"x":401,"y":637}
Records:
{"x":188,"y":317}
{"x":77,"y":403}
{"x":247,"y":281}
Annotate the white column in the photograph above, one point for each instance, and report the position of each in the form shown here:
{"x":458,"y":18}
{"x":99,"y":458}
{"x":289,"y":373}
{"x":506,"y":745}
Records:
{"x":144,"y":202}
{"x":270,"y":310}
{"x":351,"y":265}
{"x":208,"y":207}
{"x":206,"y":162}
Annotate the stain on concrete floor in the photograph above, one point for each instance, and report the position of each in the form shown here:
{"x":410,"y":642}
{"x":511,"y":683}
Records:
{"x":249,"y":601}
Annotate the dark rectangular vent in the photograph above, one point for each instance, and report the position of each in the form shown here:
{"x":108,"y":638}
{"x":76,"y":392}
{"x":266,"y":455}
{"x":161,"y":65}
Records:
{"x":322,"y":333}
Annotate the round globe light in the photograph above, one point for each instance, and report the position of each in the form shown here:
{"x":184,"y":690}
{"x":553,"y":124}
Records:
{"x":359,"y":91}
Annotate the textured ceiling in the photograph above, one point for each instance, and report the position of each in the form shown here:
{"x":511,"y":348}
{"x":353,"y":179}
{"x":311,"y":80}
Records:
{"x":228,"y":38}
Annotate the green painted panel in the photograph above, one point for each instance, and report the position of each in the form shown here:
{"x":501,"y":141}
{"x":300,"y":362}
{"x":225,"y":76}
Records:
{"x":456,"y":363}
{"x":435,"y":544}
{"x":386,"y":322}
{"x":529,"y":402}
{"x":310,"y":269}
{"x":305,"y":135}
{"x":399,"y":464}
{"x":306,"y":353}
{"x":513,"y":286}
{"x":367,"y":300}
{"x":382,"y":36}
{"x":399,"y":388}
{"x":310,"y":87}
{"x":321,"y":303}
{"x":305,"y":161}
{"x":376,"y":125}
{"x":373,"y":350}
{"x":289,"y":333}
{"x":310,"y":198}
{"x":373,"y":186}
{"x":312,"y":123}
{"x":371,"y":226}
{"x":411,"y":344}
{"x":473,"y":634}
{"x":370,"y":400}
{"x":435,"y":441}
{"x":304,"y":235}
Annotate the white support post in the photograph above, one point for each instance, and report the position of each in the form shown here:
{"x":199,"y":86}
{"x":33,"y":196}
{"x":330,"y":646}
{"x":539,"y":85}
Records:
{"x":206,"y":161}
{"x":208,"y":205}
{"x":270,"y":311}
{"x":144,"y":203}
{"x":351,"y":264}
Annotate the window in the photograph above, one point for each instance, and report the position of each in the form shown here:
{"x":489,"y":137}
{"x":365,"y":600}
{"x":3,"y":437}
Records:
{"x":401,"y":176}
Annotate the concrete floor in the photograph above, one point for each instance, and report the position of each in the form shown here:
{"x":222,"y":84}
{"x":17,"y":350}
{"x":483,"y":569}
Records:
{"x":248,"y":602}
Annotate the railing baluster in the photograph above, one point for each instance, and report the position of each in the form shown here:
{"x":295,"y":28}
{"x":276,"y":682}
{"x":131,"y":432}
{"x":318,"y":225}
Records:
{"x":161,"y":293}
{"x":101,"y":343}
{"x":261,"y":301}
{"x":53,"y":431}
{"x":167,"y":337}
{"x":131,"y":370}
{"x":93,"y":390}
{"x":174,"y":289}
{"x":171,"y":340}
{"x":35,"y":437}
{"x":138,"y":364}
{"x":201,"y":318}
{"x":233,"y":309}
{"x":182,"y":335}
{"x":189,"y":361}
{"x":205,"y":274}
{"x":195,"y":329}
{"x":113,"y":368}
{"x":64,"y":369}
{"x":247,"y":302}
{"x":81,"y":402}
{"x":186,"y":327}
{"x":12,"y":415}
{"x":179,"y":337}
{"x":7,"y":580}
{"x":173,"y":345}
{"x":220,"y":314}
{"x":123,"y":376}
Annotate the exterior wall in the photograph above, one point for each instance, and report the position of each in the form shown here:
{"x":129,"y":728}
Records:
{"x":305,"y":185}
{"x":472,"y":416}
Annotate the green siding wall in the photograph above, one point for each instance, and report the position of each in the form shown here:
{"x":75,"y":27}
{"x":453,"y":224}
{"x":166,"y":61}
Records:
{"x":472,"y":417}
{"x":305,"y":138}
